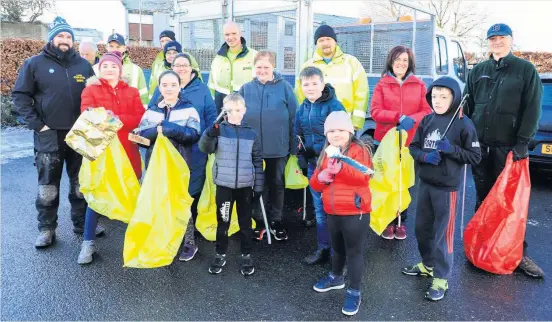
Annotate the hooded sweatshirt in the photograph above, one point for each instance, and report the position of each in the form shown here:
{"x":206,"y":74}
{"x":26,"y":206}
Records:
{"x":462,"y":136}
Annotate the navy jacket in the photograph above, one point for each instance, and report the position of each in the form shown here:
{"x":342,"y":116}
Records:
{"x":310,"y":118}
{"x":238,"y":159}
{"x":48,"y":88}
{"x":270,"y":112}
{"x":447,"y":175}
{"x":199,"y":95}
{"x":180,"y":125}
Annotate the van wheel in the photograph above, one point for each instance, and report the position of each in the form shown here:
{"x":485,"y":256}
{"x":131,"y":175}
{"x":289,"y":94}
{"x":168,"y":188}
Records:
{"x":368,"y":140}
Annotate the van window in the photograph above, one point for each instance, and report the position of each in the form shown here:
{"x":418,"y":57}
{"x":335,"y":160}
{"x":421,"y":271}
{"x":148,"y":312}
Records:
{"x":441,"y":56}
{"x":458,"y":61}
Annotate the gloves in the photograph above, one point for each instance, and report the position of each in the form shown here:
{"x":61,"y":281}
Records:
{"x":309,"y":152}
{"x":405,"y":123}
{"x":257,"y":195}
{"x":432,"y":158}
{"x":520,"y":151}
{"x":325,"y":176}
{"x":213,"y":131}
{"x":334,"y":166}
{"x":444,"y":146}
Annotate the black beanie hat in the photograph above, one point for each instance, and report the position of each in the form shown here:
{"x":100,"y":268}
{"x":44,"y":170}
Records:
{"x":167,"y":33}
{"x":324,"y":31}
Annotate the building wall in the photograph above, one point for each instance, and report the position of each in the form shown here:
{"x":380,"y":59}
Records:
{"x":24,"y":30}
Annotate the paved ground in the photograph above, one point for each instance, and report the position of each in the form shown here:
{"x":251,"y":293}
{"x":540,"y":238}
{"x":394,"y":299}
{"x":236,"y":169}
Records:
{"x":50,"y":285}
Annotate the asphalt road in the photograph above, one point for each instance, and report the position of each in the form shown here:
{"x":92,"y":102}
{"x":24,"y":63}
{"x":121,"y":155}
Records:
{"x":50,"y":285}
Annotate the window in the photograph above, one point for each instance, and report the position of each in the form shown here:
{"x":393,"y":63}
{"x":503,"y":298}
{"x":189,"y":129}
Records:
{"x":441,"y":56}
{"x":290,"y":29}
{"x":458,"y":61}
{"x":289,"y":58}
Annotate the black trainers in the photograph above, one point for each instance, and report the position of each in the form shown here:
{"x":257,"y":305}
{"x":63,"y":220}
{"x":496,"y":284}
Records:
{"x":530,"y":268}
{"x":217,"y":264}
{"x":247,"y":267}
{"x":278,"y":231}
{"x":318,"y":257}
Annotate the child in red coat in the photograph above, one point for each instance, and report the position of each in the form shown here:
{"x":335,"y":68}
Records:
{"x":110,"y":92}
{"x":347,"y":201}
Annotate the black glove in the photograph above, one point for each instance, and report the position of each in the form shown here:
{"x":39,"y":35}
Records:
{"x":309,"y":152}
{"x":257,"y":195}
{"x":520,"y":151}
{"x":213,"y":131}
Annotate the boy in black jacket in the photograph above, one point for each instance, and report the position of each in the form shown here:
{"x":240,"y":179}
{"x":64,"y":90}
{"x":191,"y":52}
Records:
{"x":440,"y":162}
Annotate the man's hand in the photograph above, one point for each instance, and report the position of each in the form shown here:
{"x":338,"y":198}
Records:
{"x":520,"y":151}
{"x":44,"y":128}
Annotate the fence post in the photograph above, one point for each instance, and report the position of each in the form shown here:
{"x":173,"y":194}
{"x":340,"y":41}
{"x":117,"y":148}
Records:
{"x":303,"y":40}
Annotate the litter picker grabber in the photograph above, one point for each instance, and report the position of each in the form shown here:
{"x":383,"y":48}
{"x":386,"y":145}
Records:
{"x":267,"y":227}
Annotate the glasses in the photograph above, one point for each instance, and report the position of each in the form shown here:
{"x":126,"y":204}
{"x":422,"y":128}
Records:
{"x":181,"y":66}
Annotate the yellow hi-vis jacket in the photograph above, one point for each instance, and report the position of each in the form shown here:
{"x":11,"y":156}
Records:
{"x":134,"y":76}
{"x":158,"y":67}
{"x":227,"y":77}
{"x":349,"y":79}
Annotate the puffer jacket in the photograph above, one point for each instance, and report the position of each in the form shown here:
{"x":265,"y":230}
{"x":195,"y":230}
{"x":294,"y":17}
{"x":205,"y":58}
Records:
{"x":238,"y":158}
{"x":349,"y":193}
{"x":124,"y":102}
{"x":310,"y":118}
{"x":180,"y":125}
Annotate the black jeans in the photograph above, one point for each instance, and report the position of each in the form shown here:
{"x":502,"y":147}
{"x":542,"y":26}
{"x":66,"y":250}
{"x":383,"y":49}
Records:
{"x":51,"y":152}
{"x":347,"y":234}
{"x":273,"y":193}
{"x":493,"y":161}
{"x":225,"y":198}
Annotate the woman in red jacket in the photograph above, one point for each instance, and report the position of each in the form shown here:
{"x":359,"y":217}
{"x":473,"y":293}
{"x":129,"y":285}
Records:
{"x":110,"y":92}
{"x":398,"y":102}
{"x":347,"y":201}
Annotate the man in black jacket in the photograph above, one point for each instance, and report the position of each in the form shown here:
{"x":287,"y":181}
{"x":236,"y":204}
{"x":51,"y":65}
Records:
{"x":505,"y":106}
{"x":47,"y":94}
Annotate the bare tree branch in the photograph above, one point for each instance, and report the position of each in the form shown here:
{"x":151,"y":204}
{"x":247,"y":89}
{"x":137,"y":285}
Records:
{"x":16,"y":10}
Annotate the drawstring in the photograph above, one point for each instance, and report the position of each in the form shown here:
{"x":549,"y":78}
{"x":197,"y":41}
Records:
{"x":360,"y":216}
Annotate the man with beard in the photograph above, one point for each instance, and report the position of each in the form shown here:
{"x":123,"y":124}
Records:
{"x":344,"y":72}
{"x":47,"y":94}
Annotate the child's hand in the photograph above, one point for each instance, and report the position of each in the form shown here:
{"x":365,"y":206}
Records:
{"x":334,"y":166}
{"x":444,"y":146}
{"x":325,"y":176}
{"x":213,"y":131}
{"x":432,"y":158}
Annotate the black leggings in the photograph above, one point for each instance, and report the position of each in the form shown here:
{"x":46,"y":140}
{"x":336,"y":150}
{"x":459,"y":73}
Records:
{"x":347,"y":234}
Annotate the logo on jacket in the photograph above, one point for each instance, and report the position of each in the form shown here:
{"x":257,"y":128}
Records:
{"x":51,"y":70}
{"x":430,"y":142}
{"x":79,"y":78}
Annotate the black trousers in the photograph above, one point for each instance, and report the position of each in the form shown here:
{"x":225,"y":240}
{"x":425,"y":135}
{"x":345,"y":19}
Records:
{"x":347,"y":235}
{"x":225,"y":199}
{"x":273,"y":193}
{"x":435,"y":217}
{"x":51,"y":152}
{"x":493,"y":161}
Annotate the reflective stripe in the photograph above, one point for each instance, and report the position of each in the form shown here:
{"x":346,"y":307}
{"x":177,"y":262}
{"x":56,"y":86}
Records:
{"x":337,"y":80}
{"x":134,"y":77}
{"x":359,"y":113}
{"x":221,"y":89}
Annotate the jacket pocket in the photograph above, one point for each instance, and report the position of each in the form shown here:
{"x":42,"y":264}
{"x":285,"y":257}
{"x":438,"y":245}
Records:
{"x":46,"y":141}
{"x":504,"y":129}
{"x":483,"y":89}
{"x":509,"y":95}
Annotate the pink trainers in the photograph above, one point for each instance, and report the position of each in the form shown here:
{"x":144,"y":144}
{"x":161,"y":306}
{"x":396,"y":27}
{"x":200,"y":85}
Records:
{"x":389,"y":232}
{"x":400,"y":232}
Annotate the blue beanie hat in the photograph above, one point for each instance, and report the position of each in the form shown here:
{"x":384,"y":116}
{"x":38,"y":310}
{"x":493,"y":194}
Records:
{"x":59,"y":25}
{"x":172,"y":45}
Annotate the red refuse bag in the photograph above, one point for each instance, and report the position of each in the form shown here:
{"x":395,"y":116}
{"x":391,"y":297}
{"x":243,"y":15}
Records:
{"x":493,"y":239}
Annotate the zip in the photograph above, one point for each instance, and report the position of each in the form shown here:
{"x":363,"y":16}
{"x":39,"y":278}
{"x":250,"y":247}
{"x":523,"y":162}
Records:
{"x":262,"y":101}
{"x":237,"y":156}
{"x":70,"y":88}
{"x":332,"y":198}
{"x":310,"y":124}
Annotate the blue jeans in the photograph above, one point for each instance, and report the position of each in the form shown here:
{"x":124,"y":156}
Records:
{"x":90,"y":224}
{"x":322,"y":232}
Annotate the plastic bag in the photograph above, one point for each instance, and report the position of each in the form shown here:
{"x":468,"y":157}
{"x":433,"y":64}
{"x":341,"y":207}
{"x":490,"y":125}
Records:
{"x":493,"y":239}
{"x":294,"y":176}
{"x":157,"y":227}
{"x":109,"y":183}
{"x":206,"y":222}
{"x":384,"y":185}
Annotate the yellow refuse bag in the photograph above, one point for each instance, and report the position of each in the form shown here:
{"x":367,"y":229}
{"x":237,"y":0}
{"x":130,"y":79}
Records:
{"x":293,"y":175}
{"x":109,"y":183}
{"x":389,"y":185}
{"x":157,"y":227}
{"x":206,"y":222}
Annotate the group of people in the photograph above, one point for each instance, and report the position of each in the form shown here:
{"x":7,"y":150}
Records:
{"x":267,"y":121}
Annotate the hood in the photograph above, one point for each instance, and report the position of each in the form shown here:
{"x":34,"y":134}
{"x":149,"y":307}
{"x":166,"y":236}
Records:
{"x":277,"y":78}
{"x":451,"y":84}
{"x":95,"y":80}
{"x":223,"y":51}
{"x":328,"y":93}
{"x":53,"y":53}
{"x":194,"y":82}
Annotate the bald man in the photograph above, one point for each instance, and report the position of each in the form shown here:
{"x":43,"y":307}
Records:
{"x":88,"y":51}
{"x":233,"y":65}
